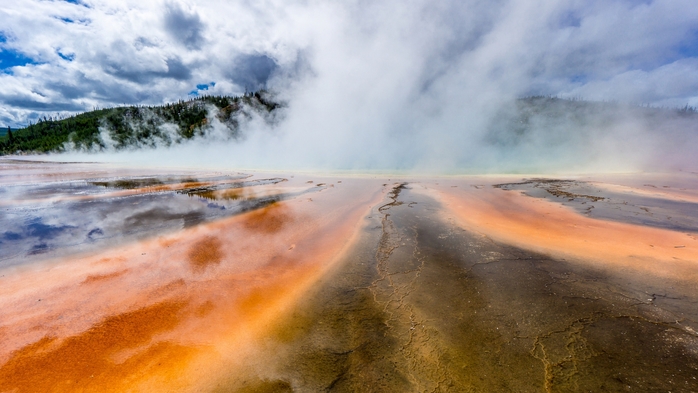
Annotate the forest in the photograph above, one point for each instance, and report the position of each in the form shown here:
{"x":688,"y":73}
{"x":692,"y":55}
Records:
{"x":135,"y":126}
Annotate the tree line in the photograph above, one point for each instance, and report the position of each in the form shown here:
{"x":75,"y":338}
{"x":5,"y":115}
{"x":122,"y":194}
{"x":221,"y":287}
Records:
{"x":126,"y":125}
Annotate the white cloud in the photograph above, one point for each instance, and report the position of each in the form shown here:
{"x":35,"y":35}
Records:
{"x":673,"y":85}
{"x":358,"y":75}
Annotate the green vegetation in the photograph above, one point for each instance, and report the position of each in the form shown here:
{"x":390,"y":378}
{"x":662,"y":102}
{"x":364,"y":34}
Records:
{"x":134,"y":126}
{"x":553,"y":119}
{"x":557,"y":121}
{"x":6,"y":131}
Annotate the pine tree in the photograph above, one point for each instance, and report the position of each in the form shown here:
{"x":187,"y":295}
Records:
{"x":9,"y":134}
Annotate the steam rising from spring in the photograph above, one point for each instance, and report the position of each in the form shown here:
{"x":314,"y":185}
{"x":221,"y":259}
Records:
{"x":426,"y":88}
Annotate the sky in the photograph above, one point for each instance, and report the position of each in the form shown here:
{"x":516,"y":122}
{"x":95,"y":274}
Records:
{"x":365,"y":72}
{"x":68,"y":56}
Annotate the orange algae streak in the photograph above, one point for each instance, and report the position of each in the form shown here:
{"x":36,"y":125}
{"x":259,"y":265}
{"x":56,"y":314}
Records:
{"x":100,"y":277}
{"x":204,"y":253}
{"x":167,"y":314}
{"x":84,"y":362}
{"x":205,"y":308}
{"x":548,"y":227}
{"x":269,"y":219}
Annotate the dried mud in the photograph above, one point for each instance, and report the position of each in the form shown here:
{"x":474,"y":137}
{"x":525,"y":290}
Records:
{"x":432,"y":307}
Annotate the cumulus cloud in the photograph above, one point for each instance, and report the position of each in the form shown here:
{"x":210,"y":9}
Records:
{"x":252,"y":71}
{"x":183,"y":26}
{"x":671,"y":85}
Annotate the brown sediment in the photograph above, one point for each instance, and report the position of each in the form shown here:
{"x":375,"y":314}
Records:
{"x":234,"y":194}
{"x":100,"y":277}
{"x":204,"y":253}
{"x":172,"y":288}
{"x":241,"y":193}
{"x":268,"y":219}
{"x":155,"y":182}
{"x":205,"y":308}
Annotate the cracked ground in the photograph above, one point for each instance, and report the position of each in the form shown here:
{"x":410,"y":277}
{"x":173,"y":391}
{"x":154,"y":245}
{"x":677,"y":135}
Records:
{"x":423,"y":285}
{"x":424,"y":305}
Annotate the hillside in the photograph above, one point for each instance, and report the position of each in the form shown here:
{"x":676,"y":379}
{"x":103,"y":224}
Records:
{"x":3,"y":131}
{"x":527,"y":122}
{"x":558,"y":121}
{"x":135,"y":127}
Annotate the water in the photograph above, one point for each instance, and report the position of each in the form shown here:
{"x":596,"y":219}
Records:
{"x":115,"y":279}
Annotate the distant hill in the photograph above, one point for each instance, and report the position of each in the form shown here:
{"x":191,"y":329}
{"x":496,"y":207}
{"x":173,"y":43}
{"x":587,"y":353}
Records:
{"x":558,"y":120}
{"x":529,"y":120}
{"x":136,"y":126}
{"x":3,"y":131}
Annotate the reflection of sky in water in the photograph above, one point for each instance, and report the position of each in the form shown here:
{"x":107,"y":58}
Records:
{"x":59,"y":227}
{"x":97,"y":186}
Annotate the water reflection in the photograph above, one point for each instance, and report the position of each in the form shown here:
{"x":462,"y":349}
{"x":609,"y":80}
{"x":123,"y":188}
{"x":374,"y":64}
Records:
{"x":114,"y":283}
{"x":248,"y":284}
{"x":63,"y":224}
{"x":131,"y":183}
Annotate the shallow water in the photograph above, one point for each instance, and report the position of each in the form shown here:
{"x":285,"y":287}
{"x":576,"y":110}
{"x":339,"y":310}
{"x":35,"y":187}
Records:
{"x":258,"y":282}
{"x":59,"y":218}
{"x":594,"y":200}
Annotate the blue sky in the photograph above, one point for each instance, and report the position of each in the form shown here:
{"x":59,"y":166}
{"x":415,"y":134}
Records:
{"x":62,"y":57}
{"x":10,"y":59}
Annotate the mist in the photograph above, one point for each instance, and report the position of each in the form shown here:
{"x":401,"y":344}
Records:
{"x":432,"y":88}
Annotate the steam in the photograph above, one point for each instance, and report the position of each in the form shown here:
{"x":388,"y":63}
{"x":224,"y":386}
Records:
{"x":420,"y":87}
